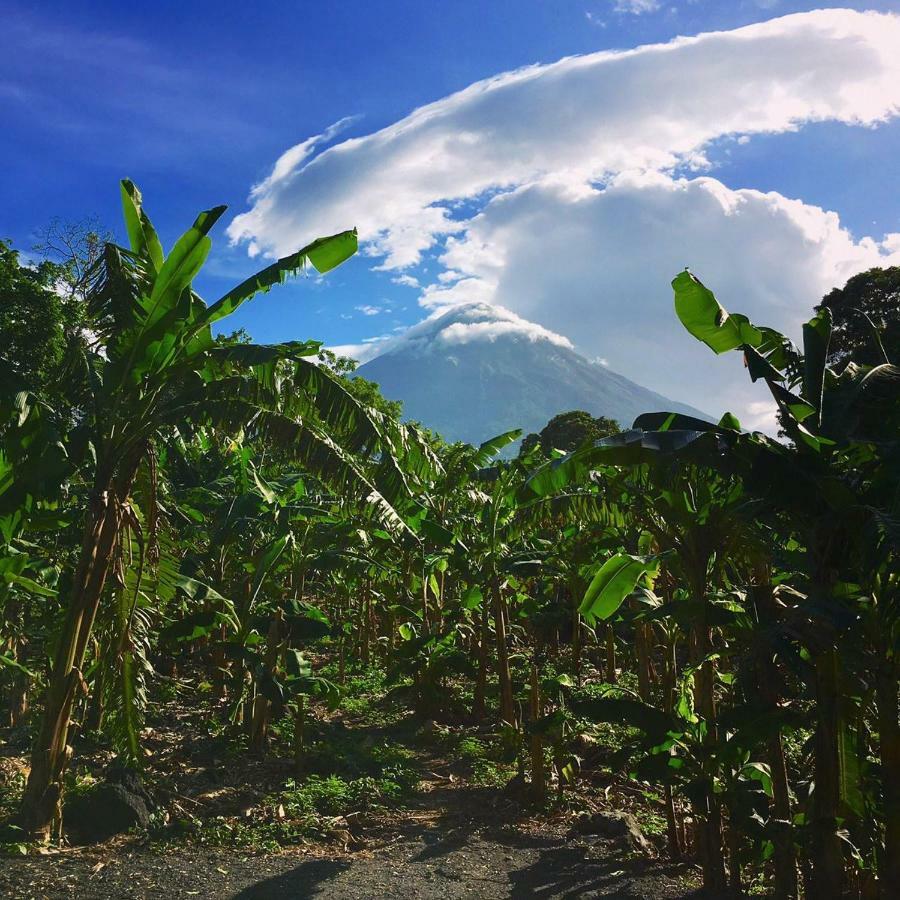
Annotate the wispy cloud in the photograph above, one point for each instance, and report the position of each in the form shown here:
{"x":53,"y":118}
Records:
{"x":85,"y":82}
{"x":636,"y":7}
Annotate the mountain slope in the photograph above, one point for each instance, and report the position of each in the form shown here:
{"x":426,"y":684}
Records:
{"x":479,"y":370}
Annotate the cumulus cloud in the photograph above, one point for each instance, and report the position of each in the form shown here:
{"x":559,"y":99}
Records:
{"x":598,"y":268}
{"x":368,"y":310}
{"x":554,"y":192}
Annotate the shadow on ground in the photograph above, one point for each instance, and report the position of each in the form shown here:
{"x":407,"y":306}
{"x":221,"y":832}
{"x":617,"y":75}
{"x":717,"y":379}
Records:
{"x":306,"y":880}
{"x":483,"y":863}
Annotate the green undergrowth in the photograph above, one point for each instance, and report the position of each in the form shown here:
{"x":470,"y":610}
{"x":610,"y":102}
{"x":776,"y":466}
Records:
{"x":303,"y":810}
{"x":347,"y":773}
{"x":365,"y":694}
{"x":485,"y":760}
{"x":11,"y":838}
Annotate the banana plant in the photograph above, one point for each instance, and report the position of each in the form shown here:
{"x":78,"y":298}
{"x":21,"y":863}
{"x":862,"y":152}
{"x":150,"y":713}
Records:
{"x":32,"y":467}
{"x":155,"y":365}
{"x":844,"y":425}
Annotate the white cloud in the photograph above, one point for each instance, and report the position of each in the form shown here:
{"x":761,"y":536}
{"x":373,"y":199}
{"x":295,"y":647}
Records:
{"x":467,"y":331}
{"x":636,"y":7}
{"x":293,"y":158}
{"x":553,"y":193}
{"x":368,"y":310}
{"x":406,"y":280}
{"x":576,"y":120}
{"x":447,"y":327}
{"x":761,"y":415}
{"x":598,"y":269}
{"x":361,"y":352}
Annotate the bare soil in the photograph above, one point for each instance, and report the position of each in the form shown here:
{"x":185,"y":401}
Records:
{"x":453,"y":844}
{"x":450,"y":839}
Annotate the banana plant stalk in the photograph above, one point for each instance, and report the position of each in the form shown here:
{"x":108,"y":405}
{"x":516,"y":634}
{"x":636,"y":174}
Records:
{"x":159,"y":365}
{"x":535,"y":739}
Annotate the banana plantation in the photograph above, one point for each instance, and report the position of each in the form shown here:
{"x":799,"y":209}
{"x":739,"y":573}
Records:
{"x":686,"y":620}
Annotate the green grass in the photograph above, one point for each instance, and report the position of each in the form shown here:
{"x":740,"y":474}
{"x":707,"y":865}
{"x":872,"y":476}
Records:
{"x":11,"y":838}
{"x":303,"y":810}
{"x":486,"y":760}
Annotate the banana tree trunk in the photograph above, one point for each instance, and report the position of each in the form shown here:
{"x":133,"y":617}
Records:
{"x":674,"y":830}
{"x":535,"y":741}
{"x":709,"y":814}
{"x":41,"y":807}
{"x":262,"y":706}
{"x":18,"y":699}
{"x":507,"y":707}
{"x":577,"y":636}
{"x":889,"y":734}
{"x":97,"y":707}
{"x":827,"y":856}
{"x":734,"y":860}
{"x":642,"y":649}
{"x":299,"y":734}
{"x":610,"y":654}
{"x":220,"y":666}
{"x":16,"y":694}
{"x":784,"y":858}
{"x":478,"y":701}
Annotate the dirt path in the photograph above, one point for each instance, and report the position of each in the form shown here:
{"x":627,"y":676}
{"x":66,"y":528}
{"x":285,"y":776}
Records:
{"x":449,"y":838}
{"x":456,"y":841}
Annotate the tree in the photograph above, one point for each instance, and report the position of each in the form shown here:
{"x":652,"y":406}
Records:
{"x":837,"y":485}
{"x":75,"y":248}
{"x":364,"y":390}
{"x":32,"y":318}
{"x":865,"y":316}
{"x":568,"y":431}
{"x":155,"y":366}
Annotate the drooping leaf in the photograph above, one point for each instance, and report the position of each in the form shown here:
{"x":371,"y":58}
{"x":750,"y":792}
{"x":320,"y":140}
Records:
{"x":704,"y":317}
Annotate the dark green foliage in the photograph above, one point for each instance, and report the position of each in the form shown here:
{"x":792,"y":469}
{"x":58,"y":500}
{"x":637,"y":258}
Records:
{"x":568,"y":431}
{"x":685,"y":613}
{"x":865,"y":315}
{"x":34,"y":320}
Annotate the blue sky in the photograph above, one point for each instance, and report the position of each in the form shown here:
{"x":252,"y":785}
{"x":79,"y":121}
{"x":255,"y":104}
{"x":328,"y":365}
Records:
{"x":196,"y":102}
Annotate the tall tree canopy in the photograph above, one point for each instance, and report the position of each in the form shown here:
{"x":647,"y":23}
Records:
{"x":869,"y":299}
{"x":32,"y":317}
{"x":569,"y":430}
